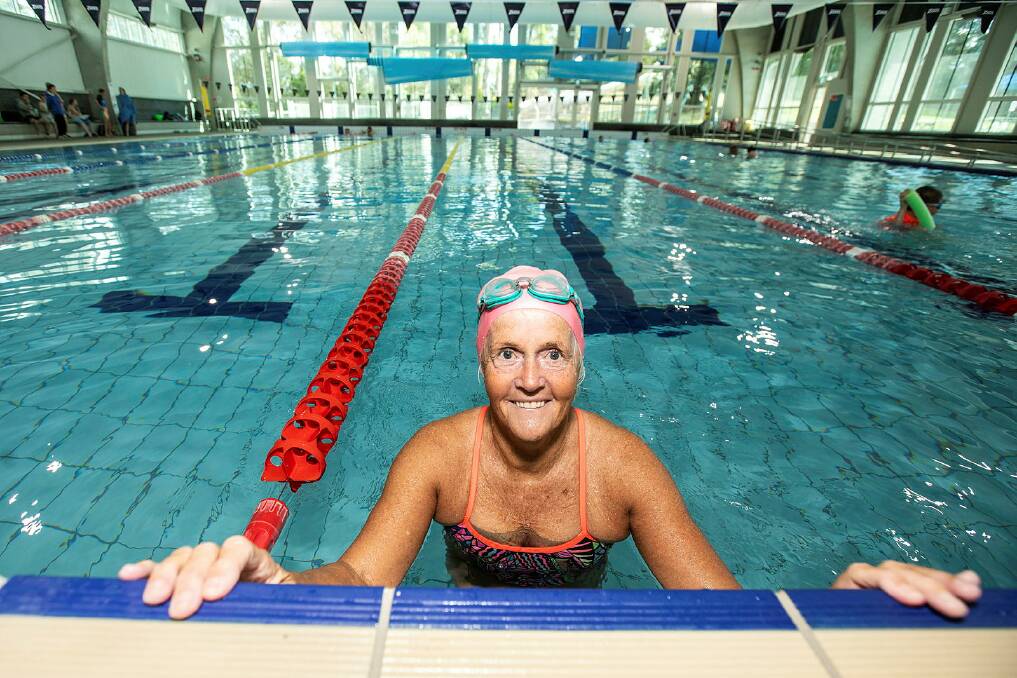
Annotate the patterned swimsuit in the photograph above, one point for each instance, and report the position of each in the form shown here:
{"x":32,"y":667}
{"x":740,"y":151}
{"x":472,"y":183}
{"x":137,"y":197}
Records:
{"x":573,"y":563}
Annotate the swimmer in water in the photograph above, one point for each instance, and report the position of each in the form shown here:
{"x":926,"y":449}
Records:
{"x":752,"y":153}
{"x":905,"y":218}
{"x":528,"y":489}
{"x":732,"y":151}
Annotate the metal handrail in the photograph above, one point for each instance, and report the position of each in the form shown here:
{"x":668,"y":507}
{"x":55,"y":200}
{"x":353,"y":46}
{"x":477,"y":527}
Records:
{"x":793,"y":137}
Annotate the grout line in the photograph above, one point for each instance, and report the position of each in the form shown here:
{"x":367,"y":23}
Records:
{"x":381,"y":633}
{"x":807,"y":633}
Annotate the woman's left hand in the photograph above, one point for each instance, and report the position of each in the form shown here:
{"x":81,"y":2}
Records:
{"x":914,"y":585}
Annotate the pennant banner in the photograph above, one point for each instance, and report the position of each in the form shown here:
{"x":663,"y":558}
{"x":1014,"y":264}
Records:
{"x":409,"y":11}
{"x":568,"y":13}
{"x":779,"y":15}
{"x":39,"y":7}
{"x":879,"y":12}
{"x":724,"y":12}
{"x":93,"y":9}
{"x":144,"y":8}
{"x":303,"y":8}
{"x":356,"y":10}
{"x":513,"y":10}
{"x":460,"y":12}
{"x":619,"y":10}
{"x":833,"y":12}
{"x":932,"y":12}
{"x":674,"y":13}
{"x":250,"y":8}
{"x":989,"y":10}
{"x":197,"y":8}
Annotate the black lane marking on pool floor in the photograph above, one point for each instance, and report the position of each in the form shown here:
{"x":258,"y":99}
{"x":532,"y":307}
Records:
{"x":615,"y":310}
{"x":211,"y":295}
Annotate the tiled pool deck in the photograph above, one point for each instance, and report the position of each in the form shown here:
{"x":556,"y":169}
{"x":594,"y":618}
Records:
{"x":51,"y":626}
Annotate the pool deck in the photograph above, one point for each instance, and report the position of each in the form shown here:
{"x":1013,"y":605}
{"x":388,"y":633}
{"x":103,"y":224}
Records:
{"x":52,"y":626}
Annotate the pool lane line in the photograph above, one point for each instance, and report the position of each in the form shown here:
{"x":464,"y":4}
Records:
{"x":116,"y":203}
{"x":140,"y":160}
{"x":987,"y":299}
{"x":300,"y":453}
{"x":112,"y":147}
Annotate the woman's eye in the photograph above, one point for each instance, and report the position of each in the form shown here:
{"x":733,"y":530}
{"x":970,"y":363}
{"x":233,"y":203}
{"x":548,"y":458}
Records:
{"x":506,"y":354}
{"x":554,"y":354}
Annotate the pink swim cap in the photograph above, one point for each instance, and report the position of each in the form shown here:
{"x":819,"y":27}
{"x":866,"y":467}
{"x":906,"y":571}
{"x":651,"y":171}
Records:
{"x":566,"y":312}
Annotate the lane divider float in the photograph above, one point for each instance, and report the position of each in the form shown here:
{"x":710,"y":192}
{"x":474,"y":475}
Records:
{"x":116,"y":203}
{"x":987,"y":299}
{"x":87,"y":167}
{"x":112,"y":147}
{"x":299,"y":455}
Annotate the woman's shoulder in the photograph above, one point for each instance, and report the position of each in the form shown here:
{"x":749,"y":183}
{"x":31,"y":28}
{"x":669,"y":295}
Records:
{"x":443,"y":434}
{"x":612,"y":439}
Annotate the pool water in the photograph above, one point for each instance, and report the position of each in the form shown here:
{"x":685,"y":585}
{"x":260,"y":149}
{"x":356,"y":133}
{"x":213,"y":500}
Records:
{"x":814,"y":411}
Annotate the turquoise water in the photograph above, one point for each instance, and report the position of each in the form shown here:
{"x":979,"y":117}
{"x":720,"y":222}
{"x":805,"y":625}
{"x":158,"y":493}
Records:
{"x":813,"y":410}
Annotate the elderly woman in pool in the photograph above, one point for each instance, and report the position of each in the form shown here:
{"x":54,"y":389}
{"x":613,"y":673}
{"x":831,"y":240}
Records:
{"x":530,"y":490}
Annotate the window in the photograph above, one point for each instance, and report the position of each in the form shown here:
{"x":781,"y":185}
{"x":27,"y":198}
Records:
{"x":832,"y":63}
{"x":656,"y":39}
{"x":696,"y":97}
{"x":794,"y":86}
{"x":888,"y":82}
{"x":54,"y":13}
{"x":761,"y":111}
{"x":1000,"y":116}
{"x":134,"y":30}
{"x":648,"y":95}
{"x":612,"y":96}
{"x":950,"y":77}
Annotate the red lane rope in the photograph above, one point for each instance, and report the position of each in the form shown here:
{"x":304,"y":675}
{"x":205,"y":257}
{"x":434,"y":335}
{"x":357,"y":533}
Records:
{"x":16,"y":176}
{"x":299,"y":455}
{"x":988,"y":299}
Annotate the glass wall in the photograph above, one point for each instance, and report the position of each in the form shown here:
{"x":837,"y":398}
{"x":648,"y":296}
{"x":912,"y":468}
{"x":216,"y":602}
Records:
{"x":950,"y":77}
{"x":764,"y":93}
{"x":1000,"y":116}
{"x":890,"y":78}
{"x":794,"y":87}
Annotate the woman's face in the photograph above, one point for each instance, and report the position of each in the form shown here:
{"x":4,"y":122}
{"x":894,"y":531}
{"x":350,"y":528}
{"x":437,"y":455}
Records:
{"x":530,"y":372}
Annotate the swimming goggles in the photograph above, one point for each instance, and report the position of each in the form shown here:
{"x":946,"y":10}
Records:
{"x":545,"y":287}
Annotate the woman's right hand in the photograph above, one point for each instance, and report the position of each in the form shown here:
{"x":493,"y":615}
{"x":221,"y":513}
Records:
{"x":192,"y":575}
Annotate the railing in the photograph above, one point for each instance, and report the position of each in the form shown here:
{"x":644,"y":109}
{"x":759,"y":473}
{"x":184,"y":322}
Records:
{"x":229,"y":119}
{"x":836,"y":143}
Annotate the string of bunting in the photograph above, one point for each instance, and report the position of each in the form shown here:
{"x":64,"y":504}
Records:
{"x":780,"y":12}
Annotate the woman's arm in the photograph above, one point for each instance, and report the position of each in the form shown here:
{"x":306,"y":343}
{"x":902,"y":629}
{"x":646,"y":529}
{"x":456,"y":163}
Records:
{"x":669,"y":540}
{"x":390,"y":539}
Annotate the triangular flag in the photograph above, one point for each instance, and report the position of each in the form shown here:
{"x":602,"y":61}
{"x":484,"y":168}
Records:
{"x":932,"y":12}
{"x":356,"y":10}
{"x":513,"y":10}
{"x":144,"y":8}
{"x":833,"y":12}
{"x":460,"y":12}
{"x":408,"y":11}
{"x":724,"y":12}
{"x":989,"y":10}
{"x":250,"y":8}
{"x":619,"y":10}
{"x":568,"y":13}
{"x":674,"y":13}
{"x":779,"y":15}
{"x":197,"y":8}
{"x":303,"y":8}
{"x":93,"y":9}
{"x":39,"y":7}
{"x":879,"y":12}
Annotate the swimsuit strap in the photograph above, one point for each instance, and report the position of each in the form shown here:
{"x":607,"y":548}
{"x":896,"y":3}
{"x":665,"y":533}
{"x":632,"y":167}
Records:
{"x":475,"y":466}
{"x":582,"y":472}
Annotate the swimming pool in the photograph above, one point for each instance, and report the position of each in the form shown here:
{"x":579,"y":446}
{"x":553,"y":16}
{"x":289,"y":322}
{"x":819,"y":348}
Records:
{"x":812,"y":410}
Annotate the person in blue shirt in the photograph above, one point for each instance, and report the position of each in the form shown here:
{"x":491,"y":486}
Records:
{"x":127,"y":114}
{"x":55,"y":104}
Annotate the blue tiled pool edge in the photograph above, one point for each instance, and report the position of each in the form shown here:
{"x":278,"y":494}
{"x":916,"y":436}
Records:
{"x":503,"y":609}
